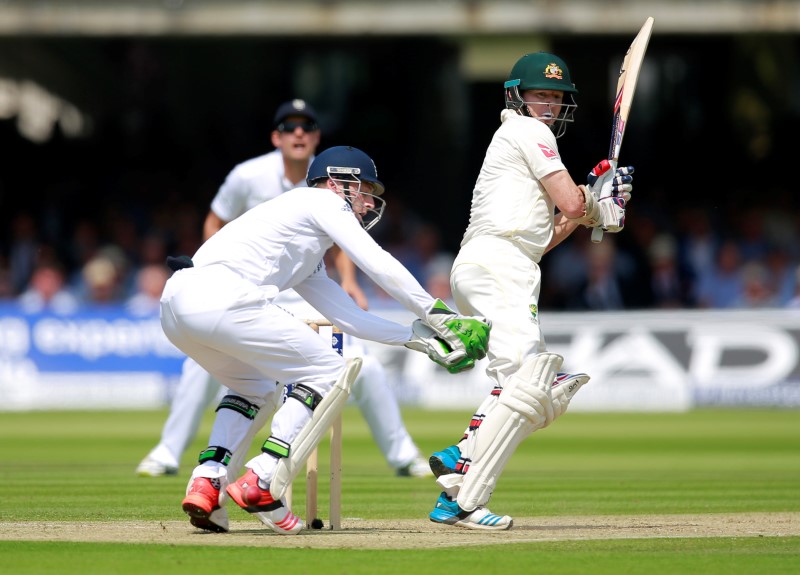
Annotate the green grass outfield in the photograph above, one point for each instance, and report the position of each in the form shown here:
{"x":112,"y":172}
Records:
{"x":77,"y":467}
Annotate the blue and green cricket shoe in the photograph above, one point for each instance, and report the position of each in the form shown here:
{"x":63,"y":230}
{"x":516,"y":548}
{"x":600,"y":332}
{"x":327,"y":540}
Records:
{"x":445,"y":461}
{"x":447,"y":512}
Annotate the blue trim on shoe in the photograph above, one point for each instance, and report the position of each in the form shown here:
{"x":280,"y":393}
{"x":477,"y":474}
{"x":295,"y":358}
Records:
{"x":490,"y":519}
{"x":445,"y":511}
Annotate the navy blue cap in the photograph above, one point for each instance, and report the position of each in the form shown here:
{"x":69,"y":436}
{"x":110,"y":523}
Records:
{"x":295,"y":107}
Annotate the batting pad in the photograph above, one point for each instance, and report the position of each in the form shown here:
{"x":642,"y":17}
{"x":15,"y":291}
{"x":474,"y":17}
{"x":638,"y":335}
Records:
{"x":312,"y":433}
{"x":524,"y":406}
{"x":564,"y":389}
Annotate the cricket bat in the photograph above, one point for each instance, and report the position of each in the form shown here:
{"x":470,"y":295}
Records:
{"x":626,"y":88}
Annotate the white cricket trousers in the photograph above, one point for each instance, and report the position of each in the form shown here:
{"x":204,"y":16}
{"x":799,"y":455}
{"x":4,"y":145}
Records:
{"x":231,"y":328}
{"x":492,"y":277}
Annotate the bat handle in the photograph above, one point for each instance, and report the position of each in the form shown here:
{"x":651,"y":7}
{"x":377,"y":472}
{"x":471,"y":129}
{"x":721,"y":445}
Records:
{"x":597,"y":233}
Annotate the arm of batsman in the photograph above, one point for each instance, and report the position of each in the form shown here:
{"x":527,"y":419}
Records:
{"x":460,"y":332}
{"x":425,"y":340}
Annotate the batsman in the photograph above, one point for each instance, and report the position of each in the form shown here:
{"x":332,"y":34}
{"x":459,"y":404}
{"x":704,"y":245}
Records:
{"x":524,"y":203}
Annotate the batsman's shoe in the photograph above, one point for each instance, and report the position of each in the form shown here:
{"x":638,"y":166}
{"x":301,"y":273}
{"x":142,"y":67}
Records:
{"x":445,"y":461}
{"x":417,"y":468}
{"x":448,"y":512}
{"x":251,"y":497}
{"x":201,"y":504}
{"x":151,"y":467}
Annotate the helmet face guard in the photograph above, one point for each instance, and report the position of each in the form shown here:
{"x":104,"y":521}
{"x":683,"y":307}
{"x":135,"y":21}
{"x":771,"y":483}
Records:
{"x":345,"y":165}
{"x":558,"y":125}
{"x":542,"y":71}
{"x":344,"y":177}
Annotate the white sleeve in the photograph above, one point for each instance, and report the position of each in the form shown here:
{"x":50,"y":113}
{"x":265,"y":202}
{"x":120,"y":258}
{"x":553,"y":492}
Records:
{"x":541,"y":151}
{"x":229,"y":203}
{"x":346,"y":232}
{"x":329,"y":299}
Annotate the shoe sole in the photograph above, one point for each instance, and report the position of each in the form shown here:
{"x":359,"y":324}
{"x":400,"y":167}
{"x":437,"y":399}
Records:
{"x":456,"y":522}
{"x":438,"y":467}
{"x":201,"y":518}
{"x":206,"y":524}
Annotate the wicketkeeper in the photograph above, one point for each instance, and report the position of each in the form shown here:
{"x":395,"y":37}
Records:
{"x":218,"y":310}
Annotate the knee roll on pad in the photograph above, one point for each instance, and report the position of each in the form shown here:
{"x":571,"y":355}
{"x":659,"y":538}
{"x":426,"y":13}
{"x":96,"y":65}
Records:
{"x":528,"y":391}
{"x":523,"y":407}
{"x":239,"y":405}
{"x":309,"y":437}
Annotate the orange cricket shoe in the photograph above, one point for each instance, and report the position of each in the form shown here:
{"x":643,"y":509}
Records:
{"x":273,"y":513}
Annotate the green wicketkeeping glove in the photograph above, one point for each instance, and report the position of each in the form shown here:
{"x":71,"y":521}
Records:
{"x":461,"y":332}
{"x":464,"y":365}
{"x":425,"y":340}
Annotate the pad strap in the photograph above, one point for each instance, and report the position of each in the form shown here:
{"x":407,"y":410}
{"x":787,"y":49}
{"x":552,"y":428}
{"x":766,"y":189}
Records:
{"x":305,"y":395}
{"x":276,"y":447}
{"x":239,"y":405}
{"x":215,"y":453}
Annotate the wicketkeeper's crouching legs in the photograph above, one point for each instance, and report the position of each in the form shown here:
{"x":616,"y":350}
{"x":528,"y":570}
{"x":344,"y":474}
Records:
{"x":297,"y":429}
{"x":531,"y":399}
{"x":204,"y":502}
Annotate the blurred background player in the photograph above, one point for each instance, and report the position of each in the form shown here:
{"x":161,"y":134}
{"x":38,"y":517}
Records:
{"x":496,"y":274}
{"x":295,"y":136}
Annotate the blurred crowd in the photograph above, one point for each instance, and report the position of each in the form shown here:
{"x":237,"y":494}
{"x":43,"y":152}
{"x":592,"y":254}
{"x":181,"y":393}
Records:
{"x":697,"y":258}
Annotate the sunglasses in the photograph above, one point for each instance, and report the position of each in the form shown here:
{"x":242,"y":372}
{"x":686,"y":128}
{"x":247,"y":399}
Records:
{"x":307,"y":126}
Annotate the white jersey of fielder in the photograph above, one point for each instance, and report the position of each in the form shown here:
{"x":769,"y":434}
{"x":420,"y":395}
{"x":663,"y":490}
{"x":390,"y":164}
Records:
{"x":281,"y":243}
{"x":508,"y":201}
{"x":251,"y":183}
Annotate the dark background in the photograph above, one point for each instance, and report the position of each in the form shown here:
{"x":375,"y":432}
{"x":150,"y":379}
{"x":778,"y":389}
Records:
{"x":714,"y":122}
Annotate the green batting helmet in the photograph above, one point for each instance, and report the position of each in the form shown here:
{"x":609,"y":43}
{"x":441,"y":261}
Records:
{"x":540,"y":71}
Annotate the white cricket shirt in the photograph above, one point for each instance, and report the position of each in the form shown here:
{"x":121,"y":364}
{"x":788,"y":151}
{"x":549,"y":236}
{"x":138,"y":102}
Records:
{"x":508,"y":200}
{"x":251,"y":183}
{"x":282,"y":242}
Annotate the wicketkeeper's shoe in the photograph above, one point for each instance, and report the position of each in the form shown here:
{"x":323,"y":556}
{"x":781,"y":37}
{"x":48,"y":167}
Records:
{"x":448,"y":512}
{"x":251,"y":497}
{"x":202,"y":506}
{"x":444,"y":462}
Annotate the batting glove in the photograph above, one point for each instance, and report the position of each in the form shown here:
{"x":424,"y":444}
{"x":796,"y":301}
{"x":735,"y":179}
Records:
{"x":602,"y":182}
{"x":607,"y":213}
